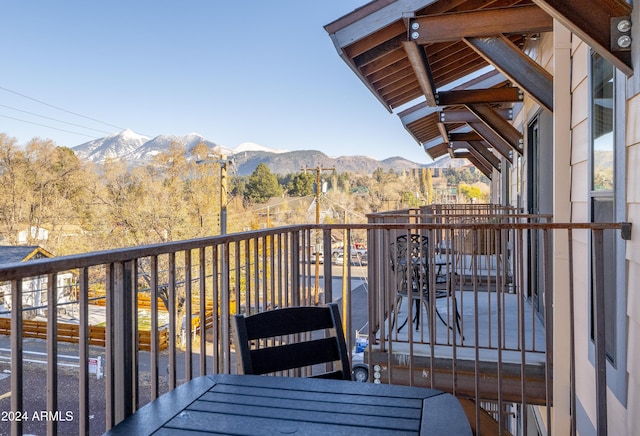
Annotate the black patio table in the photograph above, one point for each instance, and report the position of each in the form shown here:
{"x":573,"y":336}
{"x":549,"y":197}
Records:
{"x":249,"y":404}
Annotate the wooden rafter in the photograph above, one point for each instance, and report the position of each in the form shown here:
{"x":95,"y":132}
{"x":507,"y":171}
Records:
{"x":479,"y":150}
{"x":482,"y":149}
{"x":375,"y":39}
{"x":418,"y":59}
{"x":594,"y":21}
{"x":444,"y":134}
{"x":498,"y":125}
{"x":517,"y":66}
{"x":483,"y":133}
{"x":379,"y":51}
{"x":438,"y":150}
{"x":479,"y":23}
{"x":380,"y":63}
{"x":480,"y":157}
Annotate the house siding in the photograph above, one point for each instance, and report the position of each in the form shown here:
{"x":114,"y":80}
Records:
{"x":633,"y":262}
{"x":623,"y":413}
{"x":623,"y":416}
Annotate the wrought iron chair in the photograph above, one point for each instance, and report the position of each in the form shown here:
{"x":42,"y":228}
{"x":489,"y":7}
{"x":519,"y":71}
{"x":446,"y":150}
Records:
{"x":280,"y":340}
{"x":414,"y":284}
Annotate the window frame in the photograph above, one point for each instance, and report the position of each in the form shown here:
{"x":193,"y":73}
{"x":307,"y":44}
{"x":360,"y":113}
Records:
{"x":616,"y":370}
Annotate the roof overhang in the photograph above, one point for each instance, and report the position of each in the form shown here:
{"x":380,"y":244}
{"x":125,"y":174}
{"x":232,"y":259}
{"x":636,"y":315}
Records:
{"x":462,"y":66}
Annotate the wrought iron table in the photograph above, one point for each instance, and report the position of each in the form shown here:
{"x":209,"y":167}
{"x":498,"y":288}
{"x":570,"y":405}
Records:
{"x":246,"y":404}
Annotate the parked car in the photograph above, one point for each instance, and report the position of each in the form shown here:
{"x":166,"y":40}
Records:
{"x":358,"y":256}
{"x":356,"y":259}
{"x":312,"y":259}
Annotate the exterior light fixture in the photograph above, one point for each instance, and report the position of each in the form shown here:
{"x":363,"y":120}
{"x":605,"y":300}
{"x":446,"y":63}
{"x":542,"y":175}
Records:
{"x":624,"y":41}
{"x":624,"y":26}
{"x":620,"y":28}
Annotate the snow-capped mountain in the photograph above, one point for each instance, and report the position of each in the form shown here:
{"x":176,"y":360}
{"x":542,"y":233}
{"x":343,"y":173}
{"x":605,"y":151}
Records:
{"x":137,"y":149}
{"x":114,"y":146}
{"x":252,"y":146}
{"x":163,"y":142}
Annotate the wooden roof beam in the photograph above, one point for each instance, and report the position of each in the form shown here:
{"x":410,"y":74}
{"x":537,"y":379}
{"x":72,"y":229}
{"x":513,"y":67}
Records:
{"x":481,"y":158}
{"x":475,"y":96}
{"x":443,"y":132}
{"x":488,"y":155}
{"x":597,"y":23}
{"x":517,"y":66}
{"x":466,"y":116}
{"x":498,"y":125}
{"x":479,"y":23}
{"x":418,"y":59}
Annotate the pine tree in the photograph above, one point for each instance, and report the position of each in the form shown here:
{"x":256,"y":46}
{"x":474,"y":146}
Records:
{"x":262,"y":185}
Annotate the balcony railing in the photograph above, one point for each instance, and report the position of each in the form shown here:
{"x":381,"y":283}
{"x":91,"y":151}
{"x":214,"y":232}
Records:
{"x":481,"y":289}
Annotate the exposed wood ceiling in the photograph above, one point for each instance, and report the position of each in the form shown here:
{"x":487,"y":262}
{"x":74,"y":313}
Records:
{"x":427,"y":54}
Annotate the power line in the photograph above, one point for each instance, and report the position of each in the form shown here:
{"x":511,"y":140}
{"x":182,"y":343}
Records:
{"x":49,"y":127}
{"x":60,"y":109}
{"x":53,"y":119}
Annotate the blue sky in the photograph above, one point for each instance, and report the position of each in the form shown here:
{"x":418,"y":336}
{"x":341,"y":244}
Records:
{"x":261,"y":71}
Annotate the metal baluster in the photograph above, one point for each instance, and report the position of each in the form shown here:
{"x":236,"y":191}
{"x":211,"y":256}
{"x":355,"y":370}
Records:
{"x":52,"y":350}
{"x":83,"y":352}
{"x":188,"y":317}
{"x":16,"y":355}
{"x":599,"y":332}
{"x":155,"y":349}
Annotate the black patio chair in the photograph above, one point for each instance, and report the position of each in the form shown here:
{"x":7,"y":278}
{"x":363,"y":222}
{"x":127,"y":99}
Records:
{"x":414,"y":285}
{"x":285,"y":339}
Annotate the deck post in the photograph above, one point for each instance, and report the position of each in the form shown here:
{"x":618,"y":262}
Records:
{"x":123,"y":341}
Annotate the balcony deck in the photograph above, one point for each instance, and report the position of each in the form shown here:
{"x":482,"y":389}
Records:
{"x":517,"y":361}
{"x":504,"y":357}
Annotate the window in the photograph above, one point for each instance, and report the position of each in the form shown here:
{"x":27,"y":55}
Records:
{"x":602,"y":183}
{"x":602,"y":110}
{"x":607,"y":204}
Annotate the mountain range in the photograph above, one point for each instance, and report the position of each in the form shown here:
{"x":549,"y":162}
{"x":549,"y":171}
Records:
{"x":138,"y":149}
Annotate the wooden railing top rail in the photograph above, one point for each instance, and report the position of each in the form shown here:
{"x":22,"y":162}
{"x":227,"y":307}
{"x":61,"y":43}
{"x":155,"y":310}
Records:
{"x":465,"y":215}
{"x":448,"y":208}
{"x":11,"y":271}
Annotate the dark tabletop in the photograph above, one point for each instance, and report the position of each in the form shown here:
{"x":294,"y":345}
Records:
{"x":247,"y":405}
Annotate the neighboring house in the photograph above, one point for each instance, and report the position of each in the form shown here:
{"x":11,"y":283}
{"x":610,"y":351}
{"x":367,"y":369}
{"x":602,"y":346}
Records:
{"x":34,"y":290}
{"x":544,"y":98}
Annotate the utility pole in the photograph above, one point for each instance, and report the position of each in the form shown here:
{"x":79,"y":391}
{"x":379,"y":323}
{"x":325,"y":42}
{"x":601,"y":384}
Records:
{"x":319,"y":170}
{"x":224,"y":276}
{"x":224,"y":166}
{"x":223,"y":194}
